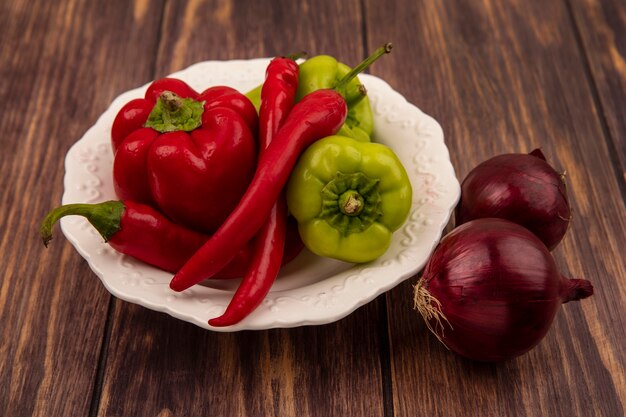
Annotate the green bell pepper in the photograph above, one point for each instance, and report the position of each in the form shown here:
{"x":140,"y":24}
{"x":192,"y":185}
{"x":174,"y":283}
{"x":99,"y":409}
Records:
{"x":348,"y":198}
{"x":324,"y":71}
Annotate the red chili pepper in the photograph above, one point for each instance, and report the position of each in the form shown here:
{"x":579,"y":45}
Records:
{"x":195,"y":157}
{"x":277,"y":99}
{"x":142,"y":232}
{"x":317,"y":115}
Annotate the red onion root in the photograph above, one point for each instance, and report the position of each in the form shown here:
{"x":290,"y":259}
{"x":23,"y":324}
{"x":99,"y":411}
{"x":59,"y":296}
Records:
{"x":430,"y":309}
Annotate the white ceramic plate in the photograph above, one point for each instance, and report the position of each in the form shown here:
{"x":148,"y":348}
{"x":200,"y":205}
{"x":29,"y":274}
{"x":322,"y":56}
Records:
{"x":310,"y":290}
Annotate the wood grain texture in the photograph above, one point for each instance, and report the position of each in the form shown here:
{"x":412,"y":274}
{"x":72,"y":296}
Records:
{"x":61,"y":66}
{"x":498,"y":76}
{"x":508,"y":77}
{"x":167,"y":367}
{"x":602,"y":28}
{"x":200,"y":30}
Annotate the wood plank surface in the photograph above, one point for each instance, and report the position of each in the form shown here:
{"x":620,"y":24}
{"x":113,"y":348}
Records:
{"x":508,"y":77}
{"x":602,"y":29}
{"x":62,"y":64}
{"x":498,"y":76}
{"x":167,"y":367}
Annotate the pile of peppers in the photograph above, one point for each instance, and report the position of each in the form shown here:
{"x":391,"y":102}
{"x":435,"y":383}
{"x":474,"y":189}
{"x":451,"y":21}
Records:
{"x":219,"y":184}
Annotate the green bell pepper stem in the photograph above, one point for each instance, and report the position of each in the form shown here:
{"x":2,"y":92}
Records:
{"x":385,"y":49}
{"x":351,"y":203}
{"x":355,"y":99}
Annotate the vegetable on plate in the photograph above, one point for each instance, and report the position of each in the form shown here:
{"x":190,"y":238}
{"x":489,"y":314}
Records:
{"x":348,"y":198}
{"x":192,"y":157}
{"x":142,"y":232}
{"x":325,"y":72}
{"x":277,"y":100}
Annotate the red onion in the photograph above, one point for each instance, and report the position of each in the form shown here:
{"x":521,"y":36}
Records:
{"x":521,"y":188}
{"x":491,"y":290}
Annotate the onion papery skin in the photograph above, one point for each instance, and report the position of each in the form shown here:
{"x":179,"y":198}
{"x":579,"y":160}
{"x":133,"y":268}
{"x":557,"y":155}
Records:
{"x":498,"y":288}
{"x":522,"y":188}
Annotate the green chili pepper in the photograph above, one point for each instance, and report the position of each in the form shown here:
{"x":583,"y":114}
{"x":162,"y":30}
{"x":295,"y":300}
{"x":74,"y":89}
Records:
{"x":324,"y":71}
{"x":348,"y":198}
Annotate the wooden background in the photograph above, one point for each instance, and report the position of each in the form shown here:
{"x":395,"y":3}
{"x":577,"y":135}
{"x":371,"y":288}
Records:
{"x":499,"y":76}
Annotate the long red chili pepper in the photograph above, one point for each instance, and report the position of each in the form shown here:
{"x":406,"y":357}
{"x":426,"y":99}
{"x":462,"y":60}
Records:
{"x":317,"y":115}
{"x":277,"y":99}
{"x":142,"y":232}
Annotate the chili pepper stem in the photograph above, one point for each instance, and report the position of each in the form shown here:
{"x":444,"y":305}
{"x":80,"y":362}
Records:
{"x":105,"y":217}
{"x":385,"y":49}
{"x":296,"y":56}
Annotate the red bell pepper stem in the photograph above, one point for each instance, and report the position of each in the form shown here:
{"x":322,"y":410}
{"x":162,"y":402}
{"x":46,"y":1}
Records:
{"x":277,"y":99}
{"x":319,"y":114}
{"x":142,"y":232}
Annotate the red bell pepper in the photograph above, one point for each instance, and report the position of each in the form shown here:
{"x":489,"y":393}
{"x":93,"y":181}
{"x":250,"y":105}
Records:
{"x":191,"y":156}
